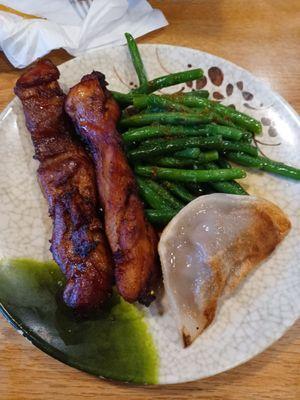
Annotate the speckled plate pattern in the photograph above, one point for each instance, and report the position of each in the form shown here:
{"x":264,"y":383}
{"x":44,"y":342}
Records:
{"x":268,"y":302}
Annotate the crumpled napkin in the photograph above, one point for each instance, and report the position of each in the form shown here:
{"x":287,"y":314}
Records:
{"x":75,"y":25}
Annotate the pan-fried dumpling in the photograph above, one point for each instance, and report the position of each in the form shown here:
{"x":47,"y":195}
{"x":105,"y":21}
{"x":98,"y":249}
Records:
{"x":209,"y":248}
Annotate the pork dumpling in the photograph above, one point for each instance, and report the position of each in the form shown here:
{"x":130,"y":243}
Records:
{"x":209,"y":248}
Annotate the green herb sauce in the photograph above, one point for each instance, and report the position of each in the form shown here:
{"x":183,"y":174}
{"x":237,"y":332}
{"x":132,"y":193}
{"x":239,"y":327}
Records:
{"x":113,"y":344}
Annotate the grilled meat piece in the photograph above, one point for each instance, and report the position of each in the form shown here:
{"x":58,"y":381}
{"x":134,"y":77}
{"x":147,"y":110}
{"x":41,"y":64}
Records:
{"x":132,"y":239}
{"x":67,"y":178}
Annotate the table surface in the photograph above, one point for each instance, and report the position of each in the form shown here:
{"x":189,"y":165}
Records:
{"x":263,"y":37}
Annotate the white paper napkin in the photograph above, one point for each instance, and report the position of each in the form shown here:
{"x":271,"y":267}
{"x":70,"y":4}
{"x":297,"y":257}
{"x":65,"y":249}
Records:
{"x":75,"y":25}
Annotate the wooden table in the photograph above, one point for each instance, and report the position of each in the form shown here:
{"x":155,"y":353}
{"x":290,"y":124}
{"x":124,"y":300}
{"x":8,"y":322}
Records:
{"x":263,"y":37}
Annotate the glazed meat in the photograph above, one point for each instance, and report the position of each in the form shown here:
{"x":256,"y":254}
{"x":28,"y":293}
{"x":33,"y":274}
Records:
{"x":67,"y":179}
{"x":132,"y":239}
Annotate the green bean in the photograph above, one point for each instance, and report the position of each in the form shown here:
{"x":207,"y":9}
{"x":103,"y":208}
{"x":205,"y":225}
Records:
{"x":185,"y":141}
{"x":163,"y":146}
{"x":179,"y":190}
{"x":237,"y":146}
{"x":226,"y":132}
{"x":165,"y":196}
{"x":167,"y":118}
{"x":155,"y":103}
{"x":207,"y":156}
{"x":137,"y":60}
{"x":190,"y":152}
{"x":229,"y":187}
{"x":160,"y":217}
{"x":174,"y":162}
{"x":183,"y":175}
{"x":152,"y":131}
{"x":243,"y":120}
{"x":240,"y":119}
{"x":248,"y":161}
{"x":225,"y":187}
{"x":157,"y":141}
{"x":148,"y":132}
{"x":195,"y":93}
{"x":170,"y":80}
{"x":141,"y":101}
{"x":124,"y":99}
{"x":149,"y":195}
{"x":265,"y":164}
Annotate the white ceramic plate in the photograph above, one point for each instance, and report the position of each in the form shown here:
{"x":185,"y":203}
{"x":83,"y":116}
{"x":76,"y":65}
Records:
{"x":268,"y":303}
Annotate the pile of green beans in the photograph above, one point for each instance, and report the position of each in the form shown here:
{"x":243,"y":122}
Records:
{"x":179,"y":145}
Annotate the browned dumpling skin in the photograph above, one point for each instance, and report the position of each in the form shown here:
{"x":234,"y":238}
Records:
{"x":67,"y":178}
{"x":132,"y":239}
